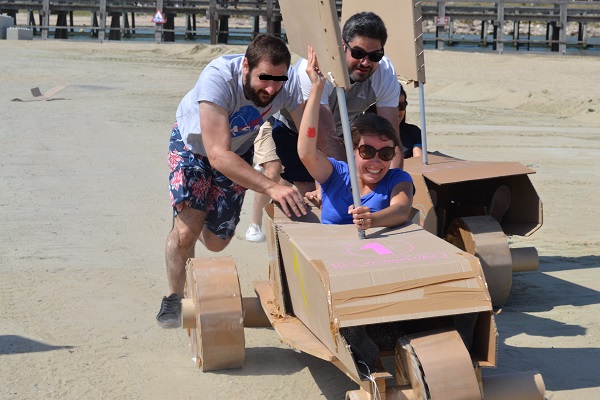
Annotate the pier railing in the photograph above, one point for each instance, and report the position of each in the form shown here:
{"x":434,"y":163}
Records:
{"x":494,"y":17}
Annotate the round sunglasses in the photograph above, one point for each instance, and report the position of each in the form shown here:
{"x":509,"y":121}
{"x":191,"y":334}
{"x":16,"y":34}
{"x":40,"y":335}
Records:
{"x":358,"y":54}
{"x":367,"y":152}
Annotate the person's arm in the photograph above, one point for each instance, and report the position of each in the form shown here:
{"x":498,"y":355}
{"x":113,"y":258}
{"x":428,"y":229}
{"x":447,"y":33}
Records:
{"x":315,"y":162}
{"x":394,"y":215}
{"x":216,"y":138}
{"x":391,"y":114}
{"x":417,"y":151}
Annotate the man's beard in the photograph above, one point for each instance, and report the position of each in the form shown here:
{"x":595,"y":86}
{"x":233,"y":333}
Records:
{"x":254,"y":95}
{"x":359,"y":78}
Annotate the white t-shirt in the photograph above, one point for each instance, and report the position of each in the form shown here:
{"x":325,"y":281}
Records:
{"x":382,"y":88}
{"x":221,"y":83}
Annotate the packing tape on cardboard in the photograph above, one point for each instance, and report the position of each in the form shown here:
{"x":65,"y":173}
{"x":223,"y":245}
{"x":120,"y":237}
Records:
{"x":348,"y":296}
{"x":467,"y":300}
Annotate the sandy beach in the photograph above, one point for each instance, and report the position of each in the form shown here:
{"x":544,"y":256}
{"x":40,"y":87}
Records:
{"x":85,"y":212}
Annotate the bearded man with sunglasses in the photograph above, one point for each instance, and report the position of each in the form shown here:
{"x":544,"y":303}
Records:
{"x":210,"y":154}
{"x":374,"y":82}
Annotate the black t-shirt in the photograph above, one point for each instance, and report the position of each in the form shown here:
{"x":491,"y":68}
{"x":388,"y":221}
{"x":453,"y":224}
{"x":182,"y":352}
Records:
{"x":410,"y":135}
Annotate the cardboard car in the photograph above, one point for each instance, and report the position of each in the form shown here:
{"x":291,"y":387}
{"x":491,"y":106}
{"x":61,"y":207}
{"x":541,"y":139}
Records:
{"x":381,"y":309}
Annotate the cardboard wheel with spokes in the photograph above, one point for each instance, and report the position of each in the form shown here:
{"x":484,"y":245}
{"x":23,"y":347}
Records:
{"x":212,"y":313}
{"x":482,"y":236}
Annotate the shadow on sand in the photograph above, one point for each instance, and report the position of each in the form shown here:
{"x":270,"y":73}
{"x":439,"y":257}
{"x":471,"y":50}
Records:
{"x":14,"y":344}
{"x":540,"y":292}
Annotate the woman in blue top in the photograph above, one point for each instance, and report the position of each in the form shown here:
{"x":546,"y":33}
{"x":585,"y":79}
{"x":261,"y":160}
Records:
{"x":386,"y":194}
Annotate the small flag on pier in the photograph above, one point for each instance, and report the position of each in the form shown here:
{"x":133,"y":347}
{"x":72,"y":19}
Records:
{"x":158,"y":18}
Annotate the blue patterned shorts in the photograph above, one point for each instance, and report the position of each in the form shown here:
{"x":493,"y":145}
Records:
{"x":194,"y":183}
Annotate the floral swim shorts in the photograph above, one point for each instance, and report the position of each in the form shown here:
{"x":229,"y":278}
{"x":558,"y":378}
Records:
{"x":194,"y":183}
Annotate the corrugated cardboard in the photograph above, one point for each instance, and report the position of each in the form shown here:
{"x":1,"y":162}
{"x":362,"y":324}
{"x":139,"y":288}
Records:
{"x":330,"y":279}
{"x":465,"y":188}
{"x":323,"y":34}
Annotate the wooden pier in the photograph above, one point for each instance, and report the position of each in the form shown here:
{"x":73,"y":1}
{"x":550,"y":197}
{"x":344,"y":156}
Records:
{"x":114,"y":20}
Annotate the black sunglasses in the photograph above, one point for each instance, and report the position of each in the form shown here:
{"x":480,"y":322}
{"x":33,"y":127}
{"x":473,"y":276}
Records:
{"x":277,"y":78}
{"x":402,"y":106}
{"x":358,"y":54}
{"x":367,"y":152}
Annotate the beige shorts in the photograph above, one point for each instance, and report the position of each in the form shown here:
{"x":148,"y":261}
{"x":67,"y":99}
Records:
{"x":264,"y":146}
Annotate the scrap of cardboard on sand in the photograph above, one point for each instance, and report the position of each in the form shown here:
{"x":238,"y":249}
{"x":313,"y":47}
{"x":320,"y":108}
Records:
{"x":38,"y":96}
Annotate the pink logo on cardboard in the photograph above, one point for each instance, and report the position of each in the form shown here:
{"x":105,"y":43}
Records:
{"x":374,"y":253}
{"x":378,"y":248}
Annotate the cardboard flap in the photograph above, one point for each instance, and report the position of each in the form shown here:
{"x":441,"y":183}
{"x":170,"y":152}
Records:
{"x":323,"y":34}
{"x":394,"y":274}
{"x":444,"y":170}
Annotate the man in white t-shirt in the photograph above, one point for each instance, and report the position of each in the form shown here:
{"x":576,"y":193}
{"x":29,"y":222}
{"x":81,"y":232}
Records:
{"x":374,"y":82}
{"x":211,"y":149}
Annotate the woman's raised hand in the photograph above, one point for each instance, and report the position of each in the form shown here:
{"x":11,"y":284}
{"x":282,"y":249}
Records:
{"x":312,"y":68}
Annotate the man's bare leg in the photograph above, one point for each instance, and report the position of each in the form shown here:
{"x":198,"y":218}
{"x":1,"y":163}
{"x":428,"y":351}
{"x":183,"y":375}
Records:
{"x":181,"y":243}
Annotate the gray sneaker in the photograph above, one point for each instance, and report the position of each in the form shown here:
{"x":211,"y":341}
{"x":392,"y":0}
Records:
{"x":169,"y":315}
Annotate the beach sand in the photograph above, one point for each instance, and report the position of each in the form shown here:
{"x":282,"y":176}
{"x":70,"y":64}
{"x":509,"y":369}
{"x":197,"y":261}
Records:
{"x":85,"y":212}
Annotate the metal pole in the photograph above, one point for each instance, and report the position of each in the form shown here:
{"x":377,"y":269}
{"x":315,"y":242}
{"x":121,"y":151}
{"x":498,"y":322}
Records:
{"x":341,"y":96}
{"x":423,"y":125}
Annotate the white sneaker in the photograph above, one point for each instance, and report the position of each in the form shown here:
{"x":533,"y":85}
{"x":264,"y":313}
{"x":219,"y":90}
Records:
{"x":254,"y":234}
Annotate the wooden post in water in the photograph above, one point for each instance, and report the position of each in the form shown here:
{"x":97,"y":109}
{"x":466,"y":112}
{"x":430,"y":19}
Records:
{"x":516,"y":33}
{"x":256,"y":26}
{"x":190,"y":29}
{"x":94,"y":24}
{"x":212,"y":20}
{"x":440,"y":30}
{"x":499,"y":29}
{"x":269,"y":16}
{"x":44,"y":26}
{"x":582,"y":35}
{"x":484,"y":29}
{"x":158,"y":28}
{"x":31,"y":21}
{"x":562,"y":33}
{"x":223,"y":35}
{"x":102,"y":14}
{"x":169,"y":27}
{"x":61,"y":31}
{"x":115,"y":26}
{"x":126,"y":30}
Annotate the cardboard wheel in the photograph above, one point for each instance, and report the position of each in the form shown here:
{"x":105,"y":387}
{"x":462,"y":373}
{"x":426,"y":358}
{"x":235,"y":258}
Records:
{"x":217,"y":339}
{"x":438,"y":366}
{"x":482,"y":236}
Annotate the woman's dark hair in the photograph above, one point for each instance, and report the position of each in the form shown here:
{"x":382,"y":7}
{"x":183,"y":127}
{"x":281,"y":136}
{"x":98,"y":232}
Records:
{"x":369,"y":124}
{"x":266,"y":47}
{"x":402,"y":92}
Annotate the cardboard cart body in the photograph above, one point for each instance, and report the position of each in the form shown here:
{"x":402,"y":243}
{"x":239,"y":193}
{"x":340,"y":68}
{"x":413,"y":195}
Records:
{"x":416,"y":296}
